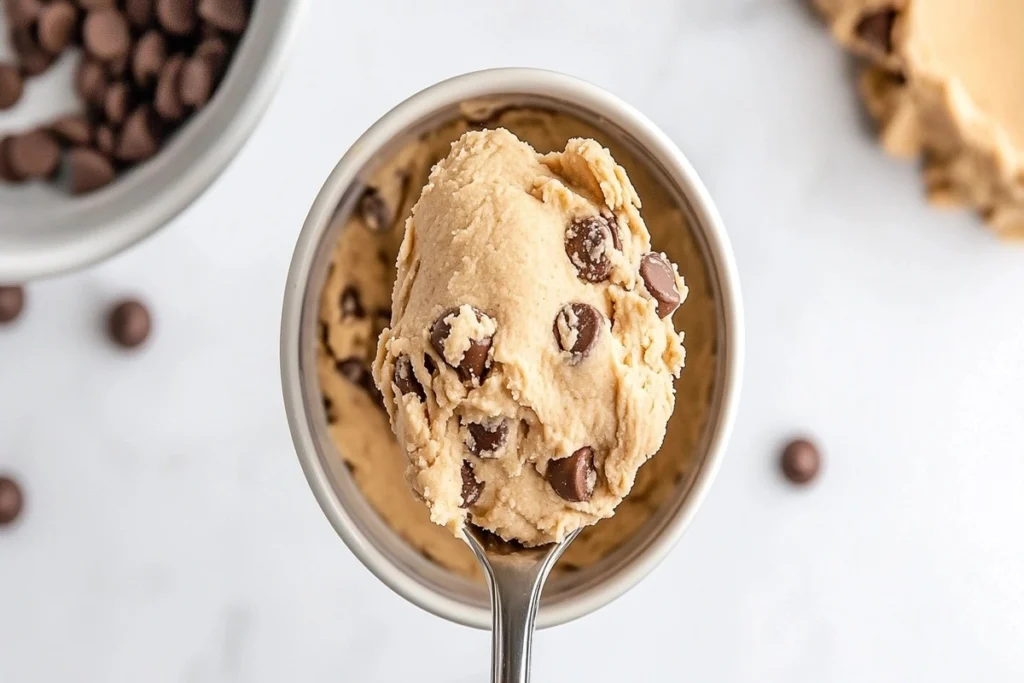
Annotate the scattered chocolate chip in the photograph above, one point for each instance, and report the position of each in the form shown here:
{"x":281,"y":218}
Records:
{"x":351,"y":303}
{"x":57,"y":23}
{"x":139,"y":12}
{"x":90,"y":5}
{"x":374,"y":211}
{"x":106,"y":34}
{"x":577,"y":330}
{"x":471,"y":488}
{"x":660,"y":279}
{"x":215,"y":52}
{"x":428,"y":363}
{"x":11,"y":501}
{"x":613,"y":226}
{"x":11,"y":86}
{"x":105,"y":139}
{"x":332,"y":417}
{"x":149,"y":58}
{"x":34,"y":155}
{"x":73,"y":129}
{"x":12,"y":302}
{"x":90,"y":170}
{"x":355,"y":371}
{"x":876,"y":29}
{"x":801,"y":461}
{"x":7,"y":174}
{"x":574,"y":478}
{"x":117,"y":102}
{"x":227,"y":15}
{"x":486,"y":439}
{"x":91,"y":82}
{"x":587,"y":241}
{"x":22,"y":13}
{"x":405,"y":378}
{"x":139,"y":138}
{"x":32,"y":58}
{"x":196,"y":84}
{"x":381,"y":319}
{"x":475,"y":361}
{"x":177,"y":16}
{"x":129,"y":323}
{"x":167,"y":99}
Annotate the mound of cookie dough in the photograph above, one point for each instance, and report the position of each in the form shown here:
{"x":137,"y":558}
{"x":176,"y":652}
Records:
{"x":529,"y":368}
{"x":943,"y":80}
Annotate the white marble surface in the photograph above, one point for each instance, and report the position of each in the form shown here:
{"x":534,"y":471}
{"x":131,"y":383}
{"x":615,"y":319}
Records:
{"x":170,"y":535}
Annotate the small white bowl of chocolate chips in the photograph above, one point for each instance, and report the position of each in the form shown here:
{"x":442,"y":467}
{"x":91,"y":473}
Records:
{"x":153,"y":98}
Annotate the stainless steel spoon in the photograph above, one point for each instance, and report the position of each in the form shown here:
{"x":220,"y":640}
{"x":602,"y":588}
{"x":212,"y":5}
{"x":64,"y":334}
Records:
{"x":515,"y":578}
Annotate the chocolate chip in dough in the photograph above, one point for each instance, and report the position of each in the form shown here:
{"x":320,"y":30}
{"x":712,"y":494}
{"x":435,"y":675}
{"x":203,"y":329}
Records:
{"x":178,"y":17}
{"x":32,"y":58}
{"x":196,"y":84}
{"x":12,"y":302}
{"x":577,"y":330}
{"x":57,"y":23}
{"x":73,"y":129}
{"x":11,"y":501}
{"x":12,"y":85}
{"x":405,"y":378}
{"x":475,"y":361}
{"x":90,"y":170}
{"x":22,"y":14}
{"x":587,"y":241}
{"x":91,"y":82}
{"x":149,"y":58}
{"x":117,"y":102}
{"x":227,"y":15}
{"x":374,"y":211}
{"x":7,"y":174}
{"x":575,"y":477}
{"x":129,"y":323}
{"x":800,"y":461}
{"x":34,"y":155}
{"x":487,"y":438}
{"x":106,"y":34}
{"x":660,"y":279}
{"x":471,"y":488}
{"x":329,"y":412}
{"x":139,"y":139}
{"x":139,"y":12}
{"x":351,"y":303}
{"x":355,"y":371}
{"x":876,"y":29}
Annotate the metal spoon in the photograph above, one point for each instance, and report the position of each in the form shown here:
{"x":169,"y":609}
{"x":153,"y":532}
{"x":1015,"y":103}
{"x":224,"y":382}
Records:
{"x":515,"y":578}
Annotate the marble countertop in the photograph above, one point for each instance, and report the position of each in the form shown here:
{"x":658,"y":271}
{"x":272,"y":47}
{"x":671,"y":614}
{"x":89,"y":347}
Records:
{"x":170,"y":535}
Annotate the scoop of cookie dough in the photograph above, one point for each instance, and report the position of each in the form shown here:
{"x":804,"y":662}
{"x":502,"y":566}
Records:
{"x":529,"y":368}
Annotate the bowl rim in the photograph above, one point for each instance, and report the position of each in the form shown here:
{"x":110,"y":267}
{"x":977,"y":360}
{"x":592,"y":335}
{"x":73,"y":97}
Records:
{"x":481,"y":84}
{"x":223,"y":134}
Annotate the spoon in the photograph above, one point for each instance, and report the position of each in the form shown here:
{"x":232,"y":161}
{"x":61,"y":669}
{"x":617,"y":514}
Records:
{"x":515,"y":578}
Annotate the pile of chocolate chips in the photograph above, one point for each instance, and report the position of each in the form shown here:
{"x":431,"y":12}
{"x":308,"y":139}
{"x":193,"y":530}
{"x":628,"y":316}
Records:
{"x":147,"y":66}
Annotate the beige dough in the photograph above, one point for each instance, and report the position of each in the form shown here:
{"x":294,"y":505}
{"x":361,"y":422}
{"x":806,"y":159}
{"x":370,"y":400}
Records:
{"x":363,"y":262}
{"x":528,"y":372}
{"x":943,"y":80}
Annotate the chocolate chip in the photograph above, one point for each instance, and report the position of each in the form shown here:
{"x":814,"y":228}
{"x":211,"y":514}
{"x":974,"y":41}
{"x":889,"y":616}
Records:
{"x":374,"y":211}
{"x":105,"y":139}
{"x":7,"y":174}
{"x":149,"y":58}
{"x":876,"y":29}
{"x":12,"y":302}
{"x":486,"y":439}
{"x":196,"y":82}
{"x":57,"y":23}
{"x":660,"y":279}
{"x":215,"y":52}
{"x":355,"y":371}
{"x":90,"y":170}
{"x":167,"y":99}
{"x":91,"y":82}
{"x":177,"y":16}
{"x":801,"y":461}
{"x":129,"y":323}
{"x":577,"y":330}
{"x":405,"y":378}
{"x":117,"y":102}
{"x":139,"y":12}
{"x":73,"y":129}
{"x":139,"y":138}
{"x":11,"y":86}
{"x":475,"y":363}
{"x":471,"y":488}
{"x":34,"y":155}
{"x":90,"y":5}
{"x":22,"y":13}
{"x":332,"y":417}
{"x":11,"y":501}
{"x":574,"y":478}
{"x":587,"y":241}
{"x":351,"y":303}
{"x":106,"y":35}
{"x":32,"y":58}
{"x":227,"y":15}
{"x":381,"y":319}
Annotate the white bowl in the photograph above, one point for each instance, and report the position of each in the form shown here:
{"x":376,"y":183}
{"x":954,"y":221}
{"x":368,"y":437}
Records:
{"x":379,"y":548}
{"x":44,"y":231}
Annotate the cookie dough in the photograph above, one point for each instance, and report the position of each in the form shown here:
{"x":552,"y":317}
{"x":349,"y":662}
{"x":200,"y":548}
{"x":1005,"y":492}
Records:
{"x":362,"y":269}
{"x":528,"y":371}
{"x":943,"y":80}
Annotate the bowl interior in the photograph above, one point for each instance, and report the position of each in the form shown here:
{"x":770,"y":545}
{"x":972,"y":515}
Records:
{"x":416,"y":577}
{"x":44,"y":230}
